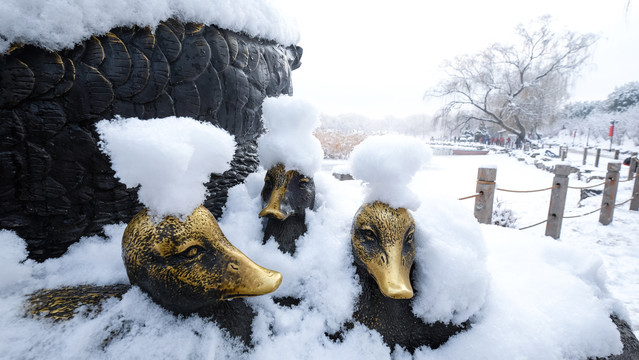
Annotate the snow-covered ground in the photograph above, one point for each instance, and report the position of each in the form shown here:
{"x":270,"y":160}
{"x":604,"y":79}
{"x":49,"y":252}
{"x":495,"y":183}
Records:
{"x":527,"y":295}
{"x":548,"y":299}
{"x":616,"y":244}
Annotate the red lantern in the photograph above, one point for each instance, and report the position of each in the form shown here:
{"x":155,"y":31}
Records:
{"x":611,"y":131}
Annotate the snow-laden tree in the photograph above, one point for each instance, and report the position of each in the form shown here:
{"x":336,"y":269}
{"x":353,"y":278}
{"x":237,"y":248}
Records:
{"x":596,"y":125}
{"x":516,"y":87}
{"x":623,"y":97}
{"x":581,"y":109}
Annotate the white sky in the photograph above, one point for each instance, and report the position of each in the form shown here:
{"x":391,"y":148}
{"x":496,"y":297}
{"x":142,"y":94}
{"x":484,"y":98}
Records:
{"x":378,"y":58}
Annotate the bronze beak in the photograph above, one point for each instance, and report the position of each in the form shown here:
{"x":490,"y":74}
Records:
{"x":275,"y":202}
{"x":392,"y":278}
{"x":254,"y":280}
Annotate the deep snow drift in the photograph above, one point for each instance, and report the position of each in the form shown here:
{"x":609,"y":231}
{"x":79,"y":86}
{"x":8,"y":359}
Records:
{"x":545,"y":300}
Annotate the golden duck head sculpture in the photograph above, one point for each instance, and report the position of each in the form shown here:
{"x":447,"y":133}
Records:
{"x":186,"y":266}
{"x":285,"y":197}
{"x":383,"y":240}
{"x":286,"y":193}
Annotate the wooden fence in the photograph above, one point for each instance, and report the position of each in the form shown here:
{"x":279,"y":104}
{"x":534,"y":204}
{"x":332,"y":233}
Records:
{"x":563,"y":153}
{"x":486,"y":187}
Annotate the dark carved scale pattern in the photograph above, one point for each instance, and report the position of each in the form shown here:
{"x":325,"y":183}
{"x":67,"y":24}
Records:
{"x":55,"y":184}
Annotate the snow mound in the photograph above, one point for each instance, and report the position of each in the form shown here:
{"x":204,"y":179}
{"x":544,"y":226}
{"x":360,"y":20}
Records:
{"x":547,"y":301}
{"x":170,"y":158}
{"x":452,"y":277}
{"x":59,"y":24}
{"x":93,"y":260}
{"x":289,"y":139}
{"x":13,"y":261}
{"x":387,"y":164}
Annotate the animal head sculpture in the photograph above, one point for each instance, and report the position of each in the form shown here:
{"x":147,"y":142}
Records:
{"x":189,"y":265}
{"x":383,"y":244}
{"x":286,"y":193}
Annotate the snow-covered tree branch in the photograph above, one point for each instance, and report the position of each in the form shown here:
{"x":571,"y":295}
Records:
{"x":516,"y":87}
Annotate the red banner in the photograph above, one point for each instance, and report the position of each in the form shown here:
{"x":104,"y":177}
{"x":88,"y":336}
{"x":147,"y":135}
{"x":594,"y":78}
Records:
{"x":611,"y":131}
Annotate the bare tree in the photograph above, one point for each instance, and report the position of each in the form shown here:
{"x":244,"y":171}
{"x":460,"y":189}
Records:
{"x":516,"y":87}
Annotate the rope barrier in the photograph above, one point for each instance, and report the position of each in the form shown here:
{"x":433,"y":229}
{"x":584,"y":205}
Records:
{"x":586,"y":187}
{"x":576,"y":216}
{"x":529,"y":191}
{"x":621,"y":203}
{"x":533,"y":225}
{"x":515,"y":191}
{"x":486,"y":182}
{"x":537,"y":190}
{"x":632,"y":178}
{"x":525,"y":191}
{"x":556,"y":186}
{"x":588,"y":213}
{"x":468,"y":197}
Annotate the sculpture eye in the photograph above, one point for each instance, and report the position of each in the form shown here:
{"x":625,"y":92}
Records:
{"x":368,"y":234}
{"x":192,"y":252}
{"x":410,"y":238}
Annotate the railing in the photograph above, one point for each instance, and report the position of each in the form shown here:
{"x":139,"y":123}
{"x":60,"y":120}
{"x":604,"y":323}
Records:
{"x":486,"y":187}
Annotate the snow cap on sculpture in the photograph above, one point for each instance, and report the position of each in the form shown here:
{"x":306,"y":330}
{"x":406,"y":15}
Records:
{"x":387,"y":164}
{"x":59,"y":24}
{"x":170,"y":159}
{"x":289,"y":139}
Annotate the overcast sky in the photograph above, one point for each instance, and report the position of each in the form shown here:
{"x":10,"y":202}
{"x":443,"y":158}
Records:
{"x":378,"y":58}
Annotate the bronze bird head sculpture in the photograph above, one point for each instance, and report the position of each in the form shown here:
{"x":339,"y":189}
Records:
{"x":286,"y":193}
{"x":285,"y":196}
{"x":384,"y":249}
{"x":186,"y":266}
{"x":383,"y":240}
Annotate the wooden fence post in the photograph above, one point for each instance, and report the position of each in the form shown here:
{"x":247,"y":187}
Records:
{"x":585,"y":156}
{"x":597,"y":157}
{"x":557,"y":201}
{"x":610,"y":193}
{"x":617,"y":154}
{"x":563,"y":152}
{"x":486,"y":188}
{"x":634,"y":203}
{"x":633,"y":165}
